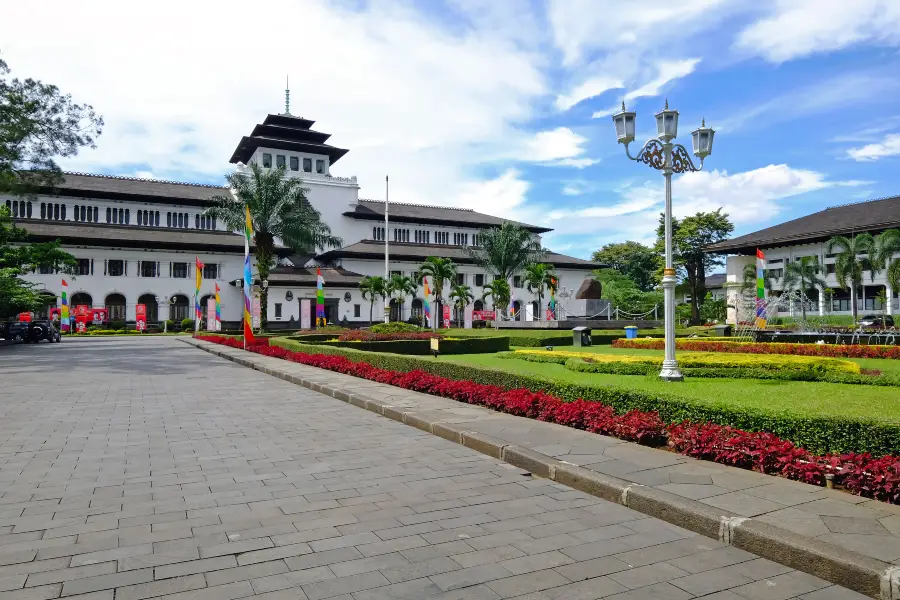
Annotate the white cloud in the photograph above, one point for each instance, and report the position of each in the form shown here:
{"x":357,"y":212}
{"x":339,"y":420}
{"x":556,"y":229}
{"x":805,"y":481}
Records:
{"x":556,"y":144}
{"x":496,"y":196}
{"x":408,"y":96}
{"x":578,"y":163}
{"x":889,"y":146}
{"x":667,"y":71}
{"x":591,"y":88}
{"x":803,"y":27}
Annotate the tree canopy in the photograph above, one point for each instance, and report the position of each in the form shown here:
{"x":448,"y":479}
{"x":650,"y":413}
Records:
{"x":506,"y":250}
{"x":638,"y":262}
{"x":690,"y":237}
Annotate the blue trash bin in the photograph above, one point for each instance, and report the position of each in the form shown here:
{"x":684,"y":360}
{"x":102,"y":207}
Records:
{"x":631,"y":332}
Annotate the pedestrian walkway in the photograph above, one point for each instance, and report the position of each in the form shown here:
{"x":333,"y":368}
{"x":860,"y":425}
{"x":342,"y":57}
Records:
{"x":148,"y":469}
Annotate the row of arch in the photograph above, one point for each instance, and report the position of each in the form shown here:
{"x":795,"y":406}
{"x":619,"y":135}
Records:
{"x":179,"y":305}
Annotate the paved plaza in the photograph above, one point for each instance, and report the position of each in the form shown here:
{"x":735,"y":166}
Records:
{"x":146,"y":468}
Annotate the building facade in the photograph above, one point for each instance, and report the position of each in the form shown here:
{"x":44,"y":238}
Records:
{"x":136,"y":240}
{"x":808,"y":237}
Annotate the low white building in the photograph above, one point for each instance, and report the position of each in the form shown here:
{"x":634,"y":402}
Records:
{"x":808,"y":236}
{"x":136,"y":240}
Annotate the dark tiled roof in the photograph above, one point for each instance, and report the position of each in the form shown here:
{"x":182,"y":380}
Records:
{"x":86,"y":185}
{"x":437,"y":215}
{"x":419,"y":252}
{"x":286,"y":132}
{"x":131,"y":235}
{"x":306,"y":277}
{"x":872,"y":216}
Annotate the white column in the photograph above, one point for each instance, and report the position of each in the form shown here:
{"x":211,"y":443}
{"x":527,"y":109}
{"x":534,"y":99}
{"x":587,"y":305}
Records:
{"x":821,"y":301}
{"x":890,"y":299}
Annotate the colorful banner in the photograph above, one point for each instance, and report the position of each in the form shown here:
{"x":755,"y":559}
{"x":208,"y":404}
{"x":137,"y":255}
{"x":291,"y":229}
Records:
{"x":218,"y":324}
{"x":760,"y":289}
{"x":320,"y":298}
{"x":198,"y":278}
{"x":64,"y":309}
{"x":426,"y":304}
{"x":211,"y":314}
{"x":257,"y":312}
{"x":140,"y":317}
{"x":305,"y":313}
{"x":484,"y":315}
{"x":81,"y":318}
{"x":446,"y":317}
{"x":248,"y":278}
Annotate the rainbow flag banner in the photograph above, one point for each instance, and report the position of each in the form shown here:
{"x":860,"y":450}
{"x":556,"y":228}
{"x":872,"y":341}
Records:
{"x":551,"y":309}
{"x":64,"y":307}
{"x":198,"y":311}
{"x":218,"y":309}
{"x":426,"y":305}
{"x":760,"y":289}
{"x":320,"y":298}
{"x":248,"y":279}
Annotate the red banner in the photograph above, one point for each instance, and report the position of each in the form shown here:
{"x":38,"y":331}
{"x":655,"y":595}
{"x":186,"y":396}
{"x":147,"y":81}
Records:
{"x":446,"y":317}
{"x":140,"y":317}
{"x":483,"y":315}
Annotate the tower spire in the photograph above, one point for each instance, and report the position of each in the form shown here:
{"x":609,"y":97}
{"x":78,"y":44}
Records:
{"x":287,"y":95}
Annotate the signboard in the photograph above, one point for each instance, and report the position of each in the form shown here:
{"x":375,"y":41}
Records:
{"x":211,"y":314}
{"x":484,"y":315}
{"x":446,"y":317}
{"x":529,"y":312}
{"x":435,"y":345}
{"x":140,"y":317}
{"x":305,"y":314}
{"x":81,"y":311}
{"x":98,"y":316}
{"x":467,"y":318}
{"x":80,"y":324}
{"x":257,"y":318}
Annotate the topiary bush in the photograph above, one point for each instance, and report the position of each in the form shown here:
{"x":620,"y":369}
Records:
{"x":169,"y":324}
{"x":187,"y":324}
{"x":394,"y":327}
{"x":116,"y":325}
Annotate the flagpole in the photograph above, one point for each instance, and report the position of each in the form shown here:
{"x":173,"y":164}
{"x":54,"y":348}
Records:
{"x":386,"y":253}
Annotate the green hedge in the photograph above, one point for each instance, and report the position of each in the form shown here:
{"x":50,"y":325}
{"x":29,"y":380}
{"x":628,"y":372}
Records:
{"x":484,"y":345}
{"x":539,"y":342}
{"x":820,"y":435}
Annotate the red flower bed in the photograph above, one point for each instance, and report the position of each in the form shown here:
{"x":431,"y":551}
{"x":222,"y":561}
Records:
{"x":827,"y":350}
{"x":362,"y":335}
{"x":860,"y":474}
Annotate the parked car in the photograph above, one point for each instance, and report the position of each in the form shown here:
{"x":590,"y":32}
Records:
{"x":14,"y":330}
{"x":877,"y":321}
{"x":43,"y":330}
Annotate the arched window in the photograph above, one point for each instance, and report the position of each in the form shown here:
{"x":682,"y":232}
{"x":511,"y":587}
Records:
{"x":478,"y":305}
{"x":149,"y":300}
{"x":128,"y":216}
{"x":84,"y":210}
{"x":180,"y":220}
{"x":81,"y":299}
{"x":168,"y":219}
{"x":63,"y":212}
{"x":186,"y":222}
{"x":29,"y":210}
{"x":416,"y":313}
{"x":56,"y":212}
{"x":115,"y":307}
{"x":157,"y":218}
{"x":109,"y":215}
{"x":214,"y":223}
{"x":15,"y":208}
{"x":178,"y":308}
{"x":76,"y":212}
{"x":43,"y":210}
{"x":196,"y":221}
{"x":96,"y":215}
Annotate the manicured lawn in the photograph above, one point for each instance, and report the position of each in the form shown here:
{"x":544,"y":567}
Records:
{"x":799,"y":398}
{"x":490,"y":331}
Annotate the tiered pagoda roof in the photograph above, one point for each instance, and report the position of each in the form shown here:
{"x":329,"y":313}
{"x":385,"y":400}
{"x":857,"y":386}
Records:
{"x":286,"y":132}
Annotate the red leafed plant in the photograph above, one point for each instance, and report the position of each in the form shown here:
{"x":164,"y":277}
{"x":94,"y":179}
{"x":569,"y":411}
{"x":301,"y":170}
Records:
{"x":827,"y":350}
{"x":861,"y":474}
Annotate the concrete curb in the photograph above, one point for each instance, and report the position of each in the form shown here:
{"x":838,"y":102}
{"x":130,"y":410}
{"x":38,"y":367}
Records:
{"x":860,"y":573}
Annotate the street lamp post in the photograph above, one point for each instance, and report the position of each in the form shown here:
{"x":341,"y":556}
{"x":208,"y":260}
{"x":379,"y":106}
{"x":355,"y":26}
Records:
{"x":661,"y":154}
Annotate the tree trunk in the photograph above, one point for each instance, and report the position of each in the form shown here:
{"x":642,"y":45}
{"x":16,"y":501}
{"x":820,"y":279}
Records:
{"x":265,"y":256}
{"x":853,"y":303}
{"x":371,"y":308}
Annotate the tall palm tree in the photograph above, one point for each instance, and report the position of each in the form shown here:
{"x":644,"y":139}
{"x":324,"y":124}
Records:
{"x":506,"y":250}
{"x":803,"y":275}
{"x":886,"y":246}
{"x":439,"y":270}
{"x":540,"y":277}
{"x":499,"y":292}
{"x":848,"y":266}
{"x":461,"y":295}
{"x":400,"y":287}
{"x":371,"y":288}
{"x":280,"y":211}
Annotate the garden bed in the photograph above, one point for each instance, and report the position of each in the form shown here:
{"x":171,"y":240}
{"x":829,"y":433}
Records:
{"x":763,"y":451}
{"x":830,"y":350}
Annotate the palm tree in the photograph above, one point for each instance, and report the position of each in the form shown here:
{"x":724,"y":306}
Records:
{"x":280,"y":211}
{"x":887,"y":244}
{"x":371,"y":288}
{"x":461,"y":295}
{"x":749,"y":275}
{"x":848,"y":267}
{"x":499,"y":291}
{"x":506,"y":250}
{"x":439,"y":270}
{"x":803,"y":275}
{"x":540,"y":277}
{"x":400,"y":287}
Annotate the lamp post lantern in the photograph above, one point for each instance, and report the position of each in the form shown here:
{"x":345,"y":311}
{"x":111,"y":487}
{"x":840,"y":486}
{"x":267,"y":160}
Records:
{"x":661,"y":154}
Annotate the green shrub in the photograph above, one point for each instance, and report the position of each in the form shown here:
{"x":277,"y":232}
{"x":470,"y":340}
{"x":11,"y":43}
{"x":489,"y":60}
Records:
{"x":116,"y":325}
{"x":820,"y":435}
{"x":187,"y":324}
{"x":394,"y":327}
{"x":539,"y":342}
{"x":483,"y":345}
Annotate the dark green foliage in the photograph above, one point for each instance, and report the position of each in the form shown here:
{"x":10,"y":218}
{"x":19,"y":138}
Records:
{"x":634,"y":260}
{"x":820,"y":435}
{"x":187,"y":324}
{"x":485,"y":345}
{"x":394,"y":327}
{"x":539,"y":342}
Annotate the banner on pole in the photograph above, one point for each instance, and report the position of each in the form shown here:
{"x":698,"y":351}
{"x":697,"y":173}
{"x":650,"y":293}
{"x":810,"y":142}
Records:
{"x":64,"y":307}
{"x":446,"y":317}
{"x":211,"y":314}
{"x":257,"y":314}
{"x":484,"y":315}
{"x":760,"y":289}
{"x":305,"y":314}
{"x":140,"y":317}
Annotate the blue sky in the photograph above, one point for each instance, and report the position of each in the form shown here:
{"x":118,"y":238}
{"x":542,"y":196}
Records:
{"x":502,"y":107}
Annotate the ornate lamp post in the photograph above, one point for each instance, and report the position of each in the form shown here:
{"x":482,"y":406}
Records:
{"x":661,"y":154}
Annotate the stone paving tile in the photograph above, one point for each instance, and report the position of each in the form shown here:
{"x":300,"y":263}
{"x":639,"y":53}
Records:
{"x":160,"y":471}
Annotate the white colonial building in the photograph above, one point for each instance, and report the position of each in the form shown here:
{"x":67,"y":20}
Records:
{"x":136,"y":240}
{"x":808,"y":236}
